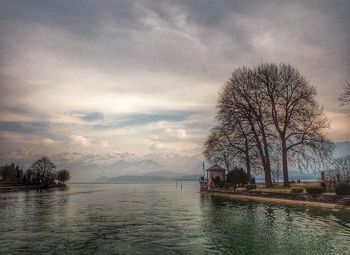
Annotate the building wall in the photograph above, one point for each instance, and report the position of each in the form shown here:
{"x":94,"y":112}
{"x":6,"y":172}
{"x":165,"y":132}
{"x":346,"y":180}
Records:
{"x":212,"y":175}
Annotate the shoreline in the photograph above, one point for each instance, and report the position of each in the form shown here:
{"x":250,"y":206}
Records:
{"x":279,"y":201}
{"x":17,"y":188}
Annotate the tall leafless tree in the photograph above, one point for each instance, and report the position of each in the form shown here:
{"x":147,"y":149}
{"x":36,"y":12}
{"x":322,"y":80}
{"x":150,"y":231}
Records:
{"x":297,"y":117}
{"x":241,"y":97}
{"x":275,"y":107}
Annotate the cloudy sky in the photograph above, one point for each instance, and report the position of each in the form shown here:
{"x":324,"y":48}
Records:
{"x":139,"y":79}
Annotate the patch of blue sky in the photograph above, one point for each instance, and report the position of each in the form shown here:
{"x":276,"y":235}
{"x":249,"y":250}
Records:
{"x":93,"y":116}
{"x":146,"y":118}
{"x":90,"y":116}
{"x":141,"y":119}
{"x":24,"y":127}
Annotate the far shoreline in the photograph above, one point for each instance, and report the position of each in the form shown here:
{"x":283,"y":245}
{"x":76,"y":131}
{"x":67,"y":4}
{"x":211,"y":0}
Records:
{"x":18,"y":188}
{"x":135,"y":181}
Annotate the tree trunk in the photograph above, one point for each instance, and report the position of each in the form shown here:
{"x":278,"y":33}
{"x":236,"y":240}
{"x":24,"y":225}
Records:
{"x":267,"y":166}
{"x":264,"y":155}
{"x":285,"y":164}
{"x":247,"y":159}
{"x":227,"y":163}
{"x":268,"y":180}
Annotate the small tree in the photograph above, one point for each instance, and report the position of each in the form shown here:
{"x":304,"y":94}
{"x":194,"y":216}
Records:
{"x":345,"y":95}
{"x":217,"y":149}
{"x":276,"y":169}
{"x":63,"y":175}
{"x":340,"y":171}
{"x":44,"y":171}
{"x":8,"y":173}
{"x":28,"y":177}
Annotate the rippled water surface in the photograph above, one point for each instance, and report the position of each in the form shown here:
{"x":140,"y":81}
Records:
{"x":157,"y":218}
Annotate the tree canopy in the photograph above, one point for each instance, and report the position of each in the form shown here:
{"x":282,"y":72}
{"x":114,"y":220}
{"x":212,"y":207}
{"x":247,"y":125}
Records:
{"x":266,"y":111}
{"x":43,"y":170}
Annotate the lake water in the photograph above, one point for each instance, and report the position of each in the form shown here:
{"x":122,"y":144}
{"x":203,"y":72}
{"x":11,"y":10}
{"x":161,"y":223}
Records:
{"x":157,"y":218}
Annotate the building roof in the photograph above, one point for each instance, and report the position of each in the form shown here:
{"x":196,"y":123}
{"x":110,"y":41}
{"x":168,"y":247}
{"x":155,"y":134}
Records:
{"x":216,"y":167}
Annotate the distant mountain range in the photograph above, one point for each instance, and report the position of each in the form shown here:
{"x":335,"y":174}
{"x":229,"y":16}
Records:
{"x":172,"y":176}
{"x":151,"y":176}
{"x":128,"y":166}
{"x":342,"y":149}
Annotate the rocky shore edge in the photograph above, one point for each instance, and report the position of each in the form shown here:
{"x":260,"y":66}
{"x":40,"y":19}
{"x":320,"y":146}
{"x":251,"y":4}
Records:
{"x":303,"y":199}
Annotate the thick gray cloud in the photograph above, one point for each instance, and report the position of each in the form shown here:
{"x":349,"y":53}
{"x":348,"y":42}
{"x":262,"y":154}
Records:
{"x":142,"y":76}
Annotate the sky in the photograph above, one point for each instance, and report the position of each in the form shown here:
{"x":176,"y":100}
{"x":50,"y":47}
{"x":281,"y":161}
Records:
{"x":122,"y":87}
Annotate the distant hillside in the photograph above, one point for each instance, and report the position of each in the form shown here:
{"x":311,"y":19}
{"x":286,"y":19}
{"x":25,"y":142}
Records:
{"x":342,"y":149}
{"x":89,"y":167}
{"x":171,"y":176}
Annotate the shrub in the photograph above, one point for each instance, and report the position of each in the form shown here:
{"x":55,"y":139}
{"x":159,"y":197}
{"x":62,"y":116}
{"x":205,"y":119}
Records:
{"x":250,"y":186}
{"x":229,"y":185}
{"x":314,"y":190}
{"x":342,"y":189}
{"x":237,"y":176}
{"x":252,"y":180}
{"x":297,"y":190}
{"x":218,"y":183}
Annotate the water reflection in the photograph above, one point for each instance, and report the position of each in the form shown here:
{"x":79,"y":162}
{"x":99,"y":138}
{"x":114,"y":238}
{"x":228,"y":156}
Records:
{"x":268,"y":229}
{"x":160,"y":219}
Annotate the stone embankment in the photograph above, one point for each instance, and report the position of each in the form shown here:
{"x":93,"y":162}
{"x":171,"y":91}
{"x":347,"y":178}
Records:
{"x":322,"y":200}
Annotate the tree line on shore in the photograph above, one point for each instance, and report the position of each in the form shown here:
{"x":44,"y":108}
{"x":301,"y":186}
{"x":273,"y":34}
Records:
{"x":268,"y":119}
{"x":42,"y":173}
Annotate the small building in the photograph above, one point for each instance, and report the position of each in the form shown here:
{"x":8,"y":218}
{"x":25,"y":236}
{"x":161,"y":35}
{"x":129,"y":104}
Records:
{"x":215,"y":176}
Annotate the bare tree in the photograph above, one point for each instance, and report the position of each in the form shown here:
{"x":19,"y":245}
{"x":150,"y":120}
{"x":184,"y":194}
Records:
{"x":275,"y":159}
{"x":8,"y":172}
{"x":63,"y":175}
{"x":240,"y":138}
{"x":242,"y":98}
{"x":217,"y":149}
{"x":271,"y":110}
{"x":339,"y":172}
{"x":297,"y":117}
{"x":44,"y":171}
{"x":345,"y":95}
